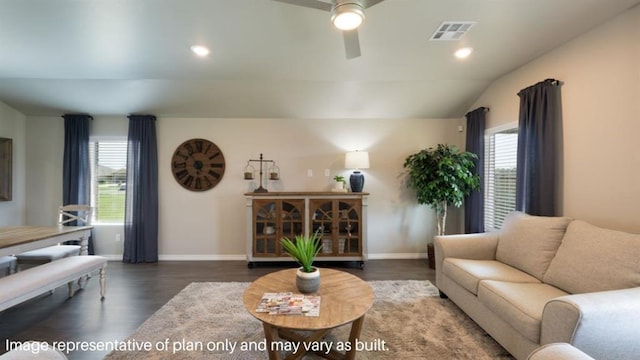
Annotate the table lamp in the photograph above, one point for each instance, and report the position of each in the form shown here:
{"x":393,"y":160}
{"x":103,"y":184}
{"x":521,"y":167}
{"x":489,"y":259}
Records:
{"x":356,"y":160}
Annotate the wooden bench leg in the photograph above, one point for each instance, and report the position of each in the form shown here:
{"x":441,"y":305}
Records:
{"x":102,"y":283}
{"x":82,"y":281}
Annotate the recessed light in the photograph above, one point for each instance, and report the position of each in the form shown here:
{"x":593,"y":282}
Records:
{"x":200,"y":50}
{"x":463,"y":53}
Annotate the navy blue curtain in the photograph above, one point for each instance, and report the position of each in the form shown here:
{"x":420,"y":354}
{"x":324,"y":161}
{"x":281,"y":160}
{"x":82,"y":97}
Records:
{"x":141,"y":199}
{"x":76,"y":175}
{"x":474,"y":203}
{"x":538,"y":144}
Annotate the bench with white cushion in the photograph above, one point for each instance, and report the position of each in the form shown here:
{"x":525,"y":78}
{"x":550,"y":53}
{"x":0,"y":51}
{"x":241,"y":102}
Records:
{"x":32,"y":282}
{"x":7,"y":265}
{"x":67,"y":215}
{"x":47,"y":254}
{"x":33,"y":350}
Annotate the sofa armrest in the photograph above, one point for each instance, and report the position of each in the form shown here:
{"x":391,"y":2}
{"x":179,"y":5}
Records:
{"x":603,"y":324}
{"x":558,"y":351}
{"x":481,"y":246}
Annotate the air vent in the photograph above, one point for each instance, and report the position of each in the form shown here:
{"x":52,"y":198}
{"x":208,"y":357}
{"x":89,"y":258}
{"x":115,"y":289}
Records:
{"x":452,"y":30}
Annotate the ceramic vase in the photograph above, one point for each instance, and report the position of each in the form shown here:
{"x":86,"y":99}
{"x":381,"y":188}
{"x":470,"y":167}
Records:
{"x":356,"y":180}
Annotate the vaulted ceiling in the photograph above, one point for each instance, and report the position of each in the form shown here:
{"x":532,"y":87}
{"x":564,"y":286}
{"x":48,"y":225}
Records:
{"x":270,"y":59}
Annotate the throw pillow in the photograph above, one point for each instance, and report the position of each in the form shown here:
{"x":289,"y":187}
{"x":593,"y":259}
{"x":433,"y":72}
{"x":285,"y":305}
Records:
{"x":530,"y":242}
{"x":595,"y":259}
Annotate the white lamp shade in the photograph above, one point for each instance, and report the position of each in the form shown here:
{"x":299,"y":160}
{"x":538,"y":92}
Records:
{"x":356,"y":160}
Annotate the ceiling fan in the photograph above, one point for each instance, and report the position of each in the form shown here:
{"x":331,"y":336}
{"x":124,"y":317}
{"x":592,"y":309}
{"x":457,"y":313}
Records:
{"x":346,"y":15}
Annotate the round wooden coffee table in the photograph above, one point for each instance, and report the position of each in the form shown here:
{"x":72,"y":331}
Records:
{"x":344,"y":299}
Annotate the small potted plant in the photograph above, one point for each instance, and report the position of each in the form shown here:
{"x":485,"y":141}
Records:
{"x":340,"y":183}
{"x":304,"y":250}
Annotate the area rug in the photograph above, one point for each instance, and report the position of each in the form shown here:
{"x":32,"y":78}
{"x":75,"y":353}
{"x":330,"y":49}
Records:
{"x":407,"y":321}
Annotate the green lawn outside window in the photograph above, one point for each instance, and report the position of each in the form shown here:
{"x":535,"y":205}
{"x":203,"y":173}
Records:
{"x":110,"y":204}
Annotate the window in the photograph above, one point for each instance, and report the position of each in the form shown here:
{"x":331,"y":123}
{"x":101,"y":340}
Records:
{"x":108,"y":180}
{"x":501,"y":148}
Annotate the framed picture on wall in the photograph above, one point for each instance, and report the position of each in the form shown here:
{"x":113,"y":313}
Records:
{"x":6,"y":146}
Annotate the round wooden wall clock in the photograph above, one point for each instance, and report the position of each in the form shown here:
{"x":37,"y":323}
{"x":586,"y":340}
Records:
{"x":198,"y":164}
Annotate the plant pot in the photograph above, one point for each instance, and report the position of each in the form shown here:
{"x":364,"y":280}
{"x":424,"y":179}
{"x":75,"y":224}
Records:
{"x":431,"y":256}
{"x":308,"y":282}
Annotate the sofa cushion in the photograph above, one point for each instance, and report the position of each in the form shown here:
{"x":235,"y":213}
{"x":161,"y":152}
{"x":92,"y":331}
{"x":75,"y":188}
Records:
{"x":519,"y":304}
{"x":530,"y":242}
{"x":595,"y":259}
{"x":468,"y":273}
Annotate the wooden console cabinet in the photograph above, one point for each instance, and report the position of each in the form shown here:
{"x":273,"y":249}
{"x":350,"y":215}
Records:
{"x":339,"y":218}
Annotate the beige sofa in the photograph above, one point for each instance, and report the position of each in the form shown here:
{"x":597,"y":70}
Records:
{"x":558,"y":351}
{"x":543,"y":280}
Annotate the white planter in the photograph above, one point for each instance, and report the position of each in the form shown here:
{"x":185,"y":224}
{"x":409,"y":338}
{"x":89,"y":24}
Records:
{"x":308,"y":282}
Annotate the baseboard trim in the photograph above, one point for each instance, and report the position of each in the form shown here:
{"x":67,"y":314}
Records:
{"x":112,"y":257}
{"x":397,"y":256}
{"x":117,"y":257}
{"x":202,"y":257}
{"x":242,"y":257}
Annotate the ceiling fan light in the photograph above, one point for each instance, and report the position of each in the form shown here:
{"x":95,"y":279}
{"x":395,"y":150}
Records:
{"x":347,"y":16}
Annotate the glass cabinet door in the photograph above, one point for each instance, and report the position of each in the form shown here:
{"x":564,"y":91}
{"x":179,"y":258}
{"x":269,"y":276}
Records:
{"x":291,"y":219}
{"x":274,"y":219}
{"x":338,"y":222}
{"x":349,"y":229}
{"x":321,"y":212}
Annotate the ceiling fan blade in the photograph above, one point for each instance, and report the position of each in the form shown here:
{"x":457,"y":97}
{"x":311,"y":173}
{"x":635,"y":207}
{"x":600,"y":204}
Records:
{"x":314,"y":4}
{"x":369,"y":3}
{"x":351,"y":43}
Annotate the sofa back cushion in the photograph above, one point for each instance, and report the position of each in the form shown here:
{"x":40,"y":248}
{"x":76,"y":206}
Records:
{"x":530,"y":242}
{"x":595,"y":259}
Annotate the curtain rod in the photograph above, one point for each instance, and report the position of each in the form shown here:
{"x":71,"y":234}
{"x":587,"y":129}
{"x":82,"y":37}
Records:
{"x":546,"y":81}
{"x":87,"y":115}
{"x":484,"y":109}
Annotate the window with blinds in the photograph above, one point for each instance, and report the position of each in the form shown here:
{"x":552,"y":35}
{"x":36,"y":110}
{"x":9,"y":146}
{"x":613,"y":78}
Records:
{"x":108,"y":180}
{"x":501,"y":148}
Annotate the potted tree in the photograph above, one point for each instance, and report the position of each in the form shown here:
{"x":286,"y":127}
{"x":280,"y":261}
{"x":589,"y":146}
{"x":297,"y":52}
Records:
{"x":441,"y":177}
{"x":304,"y":250}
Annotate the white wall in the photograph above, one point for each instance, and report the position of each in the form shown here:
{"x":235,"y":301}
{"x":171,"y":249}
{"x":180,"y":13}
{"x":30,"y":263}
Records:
{"x":601,"y":119}
{"x":12,"y":126}
{"x":45,"y":147}
{"x":211,"y":224}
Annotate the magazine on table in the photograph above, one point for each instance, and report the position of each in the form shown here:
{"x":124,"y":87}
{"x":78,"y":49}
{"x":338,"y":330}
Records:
{"x":287,"y":303}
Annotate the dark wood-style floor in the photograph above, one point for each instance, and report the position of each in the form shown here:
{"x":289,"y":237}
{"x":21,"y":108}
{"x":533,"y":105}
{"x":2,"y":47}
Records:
{"x":135,"y":292}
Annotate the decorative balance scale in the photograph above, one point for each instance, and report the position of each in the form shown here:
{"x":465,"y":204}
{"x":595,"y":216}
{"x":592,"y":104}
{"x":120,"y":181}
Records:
{"x":273,"y":171}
